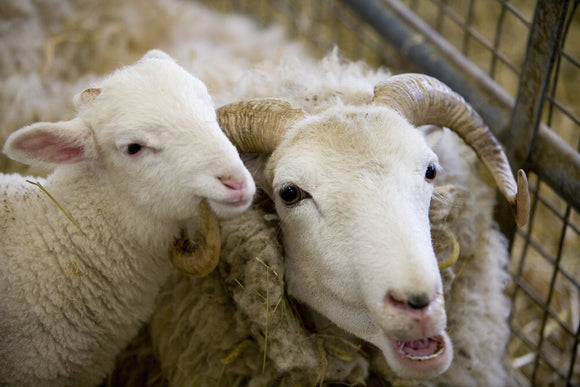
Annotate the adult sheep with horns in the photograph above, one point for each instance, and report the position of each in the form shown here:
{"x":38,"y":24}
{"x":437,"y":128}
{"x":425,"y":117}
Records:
{"x":352,"y":187}
{"x":356,"y":182}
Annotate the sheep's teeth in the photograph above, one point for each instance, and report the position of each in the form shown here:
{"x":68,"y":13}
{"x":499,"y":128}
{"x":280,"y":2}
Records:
{"x":428,"y":357}
{"x":424,"y":343}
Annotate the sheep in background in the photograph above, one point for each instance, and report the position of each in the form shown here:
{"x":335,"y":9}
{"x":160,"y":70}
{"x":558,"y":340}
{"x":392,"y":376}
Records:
{"x":77,"y":280}
{"x":352,"y":179}
{"x":50,"y":49}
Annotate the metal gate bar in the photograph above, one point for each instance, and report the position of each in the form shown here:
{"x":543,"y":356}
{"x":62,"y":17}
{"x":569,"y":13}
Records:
{"x":554,"y":160}
{"x":541,"y":53}
{"x":545,"y":35}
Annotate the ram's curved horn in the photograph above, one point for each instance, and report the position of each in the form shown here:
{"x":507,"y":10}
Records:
{"x":257,"y":126}
{"x":199,"y":259}
{"x":425,"y":100}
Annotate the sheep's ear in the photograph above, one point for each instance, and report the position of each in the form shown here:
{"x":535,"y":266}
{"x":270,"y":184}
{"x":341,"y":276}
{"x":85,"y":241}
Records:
{"x":157,"y":54}
{"x":87,"y":97}
{"x":49,"y":144}
{"x":256,"y":165}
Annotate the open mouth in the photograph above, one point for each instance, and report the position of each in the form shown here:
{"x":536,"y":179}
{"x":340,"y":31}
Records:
{"x":421,"y":350}
{"x":426,"y":357}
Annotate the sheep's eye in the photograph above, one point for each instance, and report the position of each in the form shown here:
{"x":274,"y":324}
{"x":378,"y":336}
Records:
{"x":430,"y":172}
{"x":134,"y":148}
{"x":291,"y":194}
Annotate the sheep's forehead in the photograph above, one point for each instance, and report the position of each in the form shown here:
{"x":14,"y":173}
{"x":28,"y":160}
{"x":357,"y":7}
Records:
{"x":158,"y":89}
{"x":369,"y":138}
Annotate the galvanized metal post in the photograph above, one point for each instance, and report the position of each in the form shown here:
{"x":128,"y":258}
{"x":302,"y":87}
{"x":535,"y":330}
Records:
{"x":543,"y":45}
{"x":521,"y":134}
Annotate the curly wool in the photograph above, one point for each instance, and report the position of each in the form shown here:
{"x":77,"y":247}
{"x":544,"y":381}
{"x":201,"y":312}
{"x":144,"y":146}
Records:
{"x":475,"y":287}
{"x":238,"y":313}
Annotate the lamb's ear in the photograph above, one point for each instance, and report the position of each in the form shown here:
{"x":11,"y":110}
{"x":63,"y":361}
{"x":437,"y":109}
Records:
{"x":49,"y":144}
{"x":256,"y":165}
{"x":86,"y":98}
{"x":156,"y":53}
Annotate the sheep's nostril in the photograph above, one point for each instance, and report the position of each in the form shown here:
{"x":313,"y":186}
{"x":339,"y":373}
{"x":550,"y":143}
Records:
{"x":418,"y":301}
{"x":232,"y":183}
{"x":414,"y":301}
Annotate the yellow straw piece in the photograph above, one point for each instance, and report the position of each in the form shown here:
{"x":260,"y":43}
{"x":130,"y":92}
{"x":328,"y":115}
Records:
{"x":77,"y":271}
{"x":55,"y":202}
{"x":235,"y":353}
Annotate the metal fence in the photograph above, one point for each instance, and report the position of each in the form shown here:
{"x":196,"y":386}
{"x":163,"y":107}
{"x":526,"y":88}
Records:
{"x":518,"y":63}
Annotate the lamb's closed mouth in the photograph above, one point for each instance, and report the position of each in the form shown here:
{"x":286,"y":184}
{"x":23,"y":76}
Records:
{"x":239,"y":202}
{"x":234,"y":203}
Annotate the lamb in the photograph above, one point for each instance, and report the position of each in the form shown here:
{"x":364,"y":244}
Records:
{"x":352,"y":181}
{"x":130,"y":172}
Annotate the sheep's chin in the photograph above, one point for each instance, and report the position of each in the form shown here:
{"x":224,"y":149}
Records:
{"x":420,"y":359}
{"x":226,"y":209}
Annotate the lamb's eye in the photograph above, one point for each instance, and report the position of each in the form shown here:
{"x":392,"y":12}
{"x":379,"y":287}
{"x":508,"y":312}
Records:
{"x":430,"y":172}
{"x":134,"y":148}
{"x":291,"y":194}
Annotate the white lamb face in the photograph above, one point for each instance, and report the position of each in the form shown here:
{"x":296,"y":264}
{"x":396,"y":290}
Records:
{"x":151,"y":132}
{"x":353,"y":192}
{"x":164,"y":144}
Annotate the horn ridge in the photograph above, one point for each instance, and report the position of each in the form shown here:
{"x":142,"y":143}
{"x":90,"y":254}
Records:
{"x":423,"y":100}
{"x":258,"y":125}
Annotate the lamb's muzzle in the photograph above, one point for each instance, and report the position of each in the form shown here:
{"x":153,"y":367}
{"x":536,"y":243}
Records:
{"x":425,"y":100}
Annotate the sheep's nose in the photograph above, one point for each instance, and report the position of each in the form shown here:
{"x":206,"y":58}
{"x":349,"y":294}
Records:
{"x":412,"y":315}
{"x":416,"y":301}
{"x":234,"y":184}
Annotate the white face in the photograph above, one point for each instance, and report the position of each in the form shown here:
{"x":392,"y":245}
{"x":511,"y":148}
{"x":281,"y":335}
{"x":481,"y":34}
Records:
{"x":151,"y":133}
{"x":353,"y":198}
{"x":159,"y":139}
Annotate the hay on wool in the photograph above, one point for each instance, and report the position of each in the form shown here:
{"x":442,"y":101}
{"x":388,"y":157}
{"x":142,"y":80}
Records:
{"x":41,"y":187}
{"x":251,"y":332}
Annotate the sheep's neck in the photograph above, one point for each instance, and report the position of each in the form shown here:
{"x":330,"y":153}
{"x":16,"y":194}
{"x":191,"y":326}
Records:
{"x":85,"y":289}
{"x":112,"y":259}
